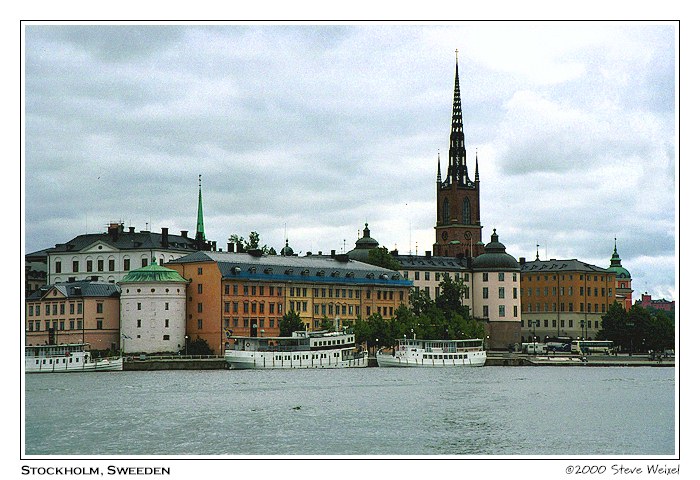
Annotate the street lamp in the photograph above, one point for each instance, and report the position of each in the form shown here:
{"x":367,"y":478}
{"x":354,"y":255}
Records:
{"x":186,"y":338}
{"x":631,"y":326}
{"x":582,"y":324}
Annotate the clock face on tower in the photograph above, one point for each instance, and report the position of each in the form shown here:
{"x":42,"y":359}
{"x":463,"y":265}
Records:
{"x":444,"y":235}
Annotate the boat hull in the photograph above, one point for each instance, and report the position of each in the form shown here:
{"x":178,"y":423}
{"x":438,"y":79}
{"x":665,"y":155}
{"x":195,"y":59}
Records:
{"x":56,"y":366}
{"x":471,"y":359}
{"x":245,"y":360}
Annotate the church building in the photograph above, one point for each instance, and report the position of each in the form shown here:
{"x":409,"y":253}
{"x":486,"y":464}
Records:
{"x":458,"y":227}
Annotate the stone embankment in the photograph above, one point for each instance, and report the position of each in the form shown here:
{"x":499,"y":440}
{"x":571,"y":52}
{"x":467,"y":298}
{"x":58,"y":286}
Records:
{"x":194,"y":362}
{"x":563,"y":360}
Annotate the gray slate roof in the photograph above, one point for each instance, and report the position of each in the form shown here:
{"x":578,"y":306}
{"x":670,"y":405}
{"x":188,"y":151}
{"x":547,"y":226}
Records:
{"x":440,"y":264}
{"x":317,"y":268}
{"x":79,"y":289}
{"x":125,"y":241}
{"x":560,"y":265}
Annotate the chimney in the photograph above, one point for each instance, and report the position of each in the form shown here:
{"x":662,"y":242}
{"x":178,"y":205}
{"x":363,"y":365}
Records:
{"x":113,"y":231}
{"x":428,"y":253}
{"x":522,"y":260}
{"x":332,"y":253}
{"x":183,"y":233}
{"x":213,"y":246}
{"x":132,"y":229}
{"x":164,"y":237}
{"x":239,"y":247}
{"x":230,"y":247}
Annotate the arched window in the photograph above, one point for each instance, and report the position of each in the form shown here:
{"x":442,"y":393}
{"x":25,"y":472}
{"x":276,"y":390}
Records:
{"x":445,"y":212}
{"x":466,"y":212}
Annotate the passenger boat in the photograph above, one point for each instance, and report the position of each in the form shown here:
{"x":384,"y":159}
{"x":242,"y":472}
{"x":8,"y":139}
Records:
{"x":69,"y":357}
{"x":434,"y":353}
{"x":301,"y":350}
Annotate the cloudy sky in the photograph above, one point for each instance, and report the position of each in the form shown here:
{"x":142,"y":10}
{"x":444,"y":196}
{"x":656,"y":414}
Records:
{"x":317,"y":129}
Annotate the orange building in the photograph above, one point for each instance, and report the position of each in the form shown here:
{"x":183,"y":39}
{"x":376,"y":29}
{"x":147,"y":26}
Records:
{"x":564,"y":298}
{"x":77,"y":312}
{"x":247,"y":294}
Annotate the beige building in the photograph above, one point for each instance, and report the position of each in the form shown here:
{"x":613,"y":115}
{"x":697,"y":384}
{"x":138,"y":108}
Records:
{"x":77,"y":312}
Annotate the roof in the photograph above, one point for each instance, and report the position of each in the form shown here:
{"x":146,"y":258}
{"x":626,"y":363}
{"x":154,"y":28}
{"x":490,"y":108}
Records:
{"x":125,"y":240}
{"x":495,"y":257}
{"x":79,"y":289}
{"x":152,"y":273}
{"x":554,"y":265}
{"x":316,"y":268}
{"x":432,"y":263}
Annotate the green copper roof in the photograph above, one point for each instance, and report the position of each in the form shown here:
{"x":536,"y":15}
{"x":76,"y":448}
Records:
{"x":153,"y":273}
{"x":616,"y":265}
{"x":200,"y":213}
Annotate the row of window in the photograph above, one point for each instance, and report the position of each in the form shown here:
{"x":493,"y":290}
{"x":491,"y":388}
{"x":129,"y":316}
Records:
{"x":247,"y":322}
{"x":59,"y":309}
{"x":58,"y":325}
{"x":261,"y":290}
{"x":562,"y":323}
{"x":252,"y":307}
{"x":563,"y":291}
{"x":458,"y":276}
{"x":99,"y":266}
{"x":166,"y":323}
{"x":590,"y":308}
{"x":501,"y":311}
{"x":603,"y":278}
{"x":501,"y":292}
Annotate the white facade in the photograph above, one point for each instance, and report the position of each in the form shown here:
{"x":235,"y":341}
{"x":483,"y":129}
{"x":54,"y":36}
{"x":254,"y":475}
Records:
{"x":497,"y":296}
{"x":153,"y":316}
{"x":103,"y":261}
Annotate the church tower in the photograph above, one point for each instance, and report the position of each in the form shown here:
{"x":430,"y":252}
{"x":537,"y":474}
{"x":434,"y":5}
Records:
{"x":458,"y":227}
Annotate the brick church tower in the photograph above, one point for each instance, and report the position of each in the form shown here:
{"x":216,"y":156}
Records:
{"x":458,"y":228}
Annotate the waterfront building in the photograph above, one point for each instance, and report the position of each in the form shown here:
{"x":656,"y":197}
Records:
{"x":496,"y":284}
{"x":247,"y":294}
{"x":34,"y":271}
{"x":623,"y":280}
{"x":491,"y":280}
{"x":564,"y":298}
{"x":74,"y":312}
{"x":458,"y":227}
{"x":662,"y":304}
{"x":153,"y":310}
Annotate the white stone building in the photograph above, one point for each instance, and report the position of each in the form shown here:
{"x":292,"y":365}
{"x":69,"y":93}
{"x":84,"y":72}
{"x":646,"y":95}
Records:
{"x":153,"y":310}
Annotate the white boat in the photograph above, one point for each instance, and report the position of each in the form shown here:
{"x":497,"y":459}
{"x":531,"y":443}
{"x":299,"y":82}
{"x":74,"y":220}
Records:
{"x":69,"y":357}
{"x":301,"y":350}
{"x":434,"y":353}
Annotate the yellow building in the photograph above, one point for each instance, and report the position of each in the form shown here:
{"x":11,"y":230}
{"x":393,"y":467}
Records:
{"x":249,"y":293}
{"x":564,"y":298}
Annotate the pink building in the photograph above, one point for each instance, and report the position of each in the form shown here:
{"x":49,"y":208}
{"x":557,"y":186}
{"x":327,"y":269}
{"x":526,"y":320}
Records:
{"x":662,"y":304}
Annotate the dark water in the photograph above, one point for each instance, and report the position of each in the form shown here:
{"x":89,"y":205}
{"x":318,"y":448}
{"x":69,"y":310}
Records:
{"x":372,"y":411}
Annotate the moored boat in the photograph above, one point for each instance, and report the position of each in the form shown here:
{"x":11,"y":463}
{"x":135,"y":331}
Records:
{"x":69,"y":357}
{"x":434,"y":353}
{"x":301,"y":350}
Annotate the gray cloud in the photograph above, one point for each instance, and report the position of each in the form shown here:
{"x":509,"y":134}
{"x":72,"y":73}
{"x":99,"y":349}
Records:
{"x":322,"y":128}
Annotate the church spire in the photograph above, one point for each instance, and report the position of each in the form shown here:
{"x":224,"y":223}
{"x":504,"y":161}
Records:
{"x":457,"y":170}
{"x":200,"y":238}
{"x":476,"y":171}
{"x":439,"y":175}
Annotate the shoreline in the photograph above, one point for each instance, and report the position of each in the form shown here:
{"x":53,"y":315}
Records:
{"x":492,"y":360}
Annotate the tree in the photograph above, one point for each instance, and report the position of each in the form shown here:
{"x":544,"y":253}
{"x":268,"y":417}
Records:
{"x":381,"y":257}
{"x":327,"y":324}
{"x":291,"y":322}
{"x":199,"y":346}
{"x":615,"y":326}
{"x":252,"y":243}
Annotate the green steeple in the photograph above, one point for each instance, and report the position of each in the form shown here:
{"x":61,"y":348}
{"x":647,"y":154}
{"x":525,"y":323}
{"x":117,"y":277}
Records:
{"x":200,"y":237}
{"x":616,"y":265}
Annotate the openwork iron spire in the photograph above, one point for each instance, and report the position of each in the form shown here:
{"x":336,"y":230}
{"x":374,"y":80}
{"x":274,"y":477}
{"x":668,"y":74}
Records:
{"x":457,"y":170}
